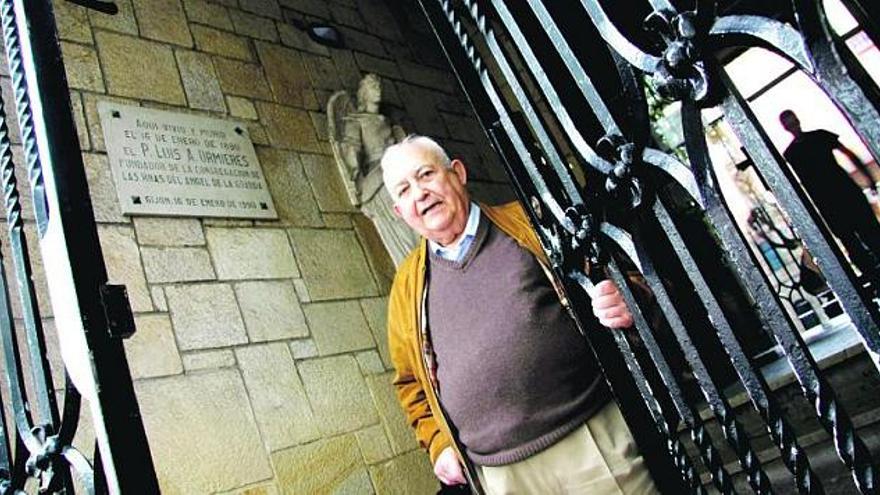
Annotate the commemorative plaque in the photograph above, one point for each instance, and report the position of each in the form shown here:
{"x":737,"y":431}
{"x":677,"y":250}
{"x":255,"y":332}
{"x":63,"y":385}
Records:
{"x":176,"y":164}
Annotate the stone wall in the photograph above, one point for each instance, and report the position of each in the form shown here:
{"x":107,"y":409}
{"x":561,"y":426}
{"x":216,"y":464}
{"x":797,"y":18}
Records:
{"x":260,"y":355}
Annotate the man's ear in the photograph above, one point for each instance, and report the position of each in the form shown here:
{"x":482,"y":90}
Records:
{"x":460,"y":170}
{"x":396,"y":210}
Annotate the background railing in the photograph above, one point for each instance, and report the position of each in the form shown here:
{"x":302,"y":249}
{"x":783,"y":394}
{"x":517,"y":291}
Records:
{"x":90,"y":316}
{"x":566,"y":91}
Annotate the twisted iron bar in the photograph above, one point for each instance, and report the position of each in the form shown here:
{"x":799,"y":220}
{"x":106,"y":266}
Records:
{"x":633,"y":248}
{"x":504,"y":118}
{"x":556,"y":162}
{"x":793,"y":455}
{"x":673,"y":443}
{"x":24,"y":112}
{"x":720,"y":477}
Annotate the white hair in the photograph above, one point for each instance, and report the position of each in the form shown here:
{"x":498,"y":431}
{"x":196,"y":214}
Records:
{"x":423,"y":142}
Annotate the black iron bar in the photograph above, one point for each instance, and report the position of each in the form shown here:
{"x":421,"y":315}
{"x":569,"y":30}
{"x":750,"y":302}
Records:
{"x":632,"y":246}
{"x":668,"y":431}
{"x":75,"y":269}
{"x":529,"y":111}
{"x":711,"y":458}
{"x":504,"y":118}
{"x":771,"y":314}
{"x":831,"y":413}
{"x":756,"y":387}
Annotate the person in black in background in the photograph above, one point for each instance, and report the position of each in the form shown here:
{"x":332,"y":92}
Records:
{"x":840,"y":201}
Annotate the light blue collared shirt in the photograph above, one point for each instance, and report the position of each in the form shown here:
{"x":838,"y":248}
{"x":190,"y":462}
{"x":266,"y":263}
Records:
{"x":455,"y":252}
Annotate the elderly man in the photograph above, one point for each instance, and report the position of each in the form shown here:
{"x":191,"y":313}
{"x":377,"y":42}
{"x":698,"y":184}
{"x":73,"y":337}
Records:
{"x":490,"y":370}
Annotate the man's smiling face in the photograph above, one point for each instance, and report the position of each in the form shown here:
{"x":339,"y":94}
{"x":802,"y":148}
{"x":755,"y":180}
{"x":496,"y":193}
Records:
{"x":430,"y":197}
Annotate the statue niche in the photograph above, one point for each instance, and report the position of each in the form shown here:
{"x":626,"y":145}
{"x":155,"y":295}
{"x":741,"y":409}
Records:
{"x":359,"y":134}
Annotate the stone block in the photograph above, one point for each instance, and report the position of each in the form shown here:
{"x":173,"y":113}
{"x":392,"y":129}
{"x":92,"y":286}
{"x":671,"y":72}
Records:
{"x":163,"y":20}
{"x":123,"y":262}
{"x":277,"y":396}
{"x":376,"y":312}
{"x":289,"y":187}
{"x":202,"y":433}
{"x":303,"y":349}
{"x":121,"y":56}
{"x":347,"y":69}
{"x":82,"y":68}
{"x":105,"y":202}
{"x":242,"y":79}
{"x":414,"y":468}
{"x":200,"y":81}
{"x":377,"y":254}
{"x":203,"y":360}
{"x":266,"y":8}
{"x":422,"y":109}
{"x":333,"y":264}
{"x":241,"y":108}
{"x":79,"y":119}
{"x":161,"y":231}
{"x":205,"y":316}
{"x":333,"y":466}
{"x":302,"y":292}
{"x":258,"y":134}
{"x":157,"y":294}
{"x":325,"y":180}
{"x":370,"y":362}
{"x":176,"y":264}
{"x":122,"y":21}
{"x":253,"y":26}
{"x":151,"y":351}
{"x":271,"y":310}
{"x":207,"y":13}
{"x":400,"y":435}
{"x":315,"y":8}
{"x":72,"y":22}
{"x":362,"y":42}
{"x":259,"y":489}
{"x":336,"y":220}
{"x":288,"y":128}
{"x":319,"y":120}
{"x":322,"y":72}
{"x":251,"y":253}
{"x":374,"y":444}
{"x":297,"y":38}
{"x":93,"y":121}
{"x":286,"y":73}
{"x":345,"y":15}
{"x":218,"y":42}
{"x":417,"y":73}
{"x":337,"y":393}
{"x":338,"y":327}
{"x":380,"y":19}
{"x":382,"y":66}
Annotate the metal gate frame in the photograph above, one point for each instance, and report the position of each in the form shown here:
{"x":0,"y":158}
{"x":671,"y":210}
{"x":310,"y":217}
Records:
{"x":91,"y":316}
{"x":603,"y":222}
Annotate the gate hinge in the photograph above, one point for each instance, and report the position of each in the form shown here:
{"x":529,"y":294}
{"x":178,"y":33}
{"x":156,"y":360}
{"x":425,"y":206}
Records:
{"x":120,"y":321}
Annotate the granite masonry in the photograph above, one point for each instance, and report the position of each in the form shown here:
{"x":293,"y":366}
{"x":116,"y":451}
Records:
{"x":260,"y":358}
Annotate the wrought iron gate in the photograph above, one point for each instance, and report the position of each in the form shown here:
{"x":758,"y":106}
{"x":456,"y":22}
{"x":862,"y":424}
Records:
{"x":559,"y":87}
{"x":91,"y":317}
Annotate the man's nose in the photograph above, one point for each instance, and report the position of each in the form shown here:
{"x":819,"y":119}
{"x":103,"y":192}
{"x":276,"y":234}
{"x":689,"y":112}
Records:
{"x":418,"y":190}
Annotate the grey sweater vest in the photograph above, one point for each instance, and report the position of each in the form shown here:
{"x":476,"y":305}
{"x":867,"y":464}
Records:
{"x":515,"y":375}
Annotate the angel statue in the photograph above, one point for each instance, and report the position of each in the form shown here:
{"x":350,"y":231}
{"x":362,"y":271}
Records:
{"x":359,"y":135}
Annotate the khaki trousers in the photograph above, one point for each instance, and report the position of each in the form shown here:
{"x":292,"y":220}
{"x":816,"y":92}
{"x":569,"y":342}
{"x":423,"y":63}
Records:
{"x":598,"y":458}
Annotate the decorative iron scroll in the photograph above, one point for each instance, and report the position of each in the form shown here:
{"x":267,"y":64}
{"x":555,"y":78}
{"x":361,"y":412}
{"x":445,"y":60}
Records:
{"x":90,"y":316}
{"x":584,"y":61}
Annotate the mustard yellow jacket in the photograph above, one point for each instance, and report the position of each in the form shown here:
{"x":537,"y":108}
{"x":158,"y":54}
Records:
{"x":414,"y":387}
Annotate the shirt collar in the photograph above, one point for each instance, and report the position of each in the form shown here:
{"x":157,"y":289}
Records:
{"x":457,"y":250}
